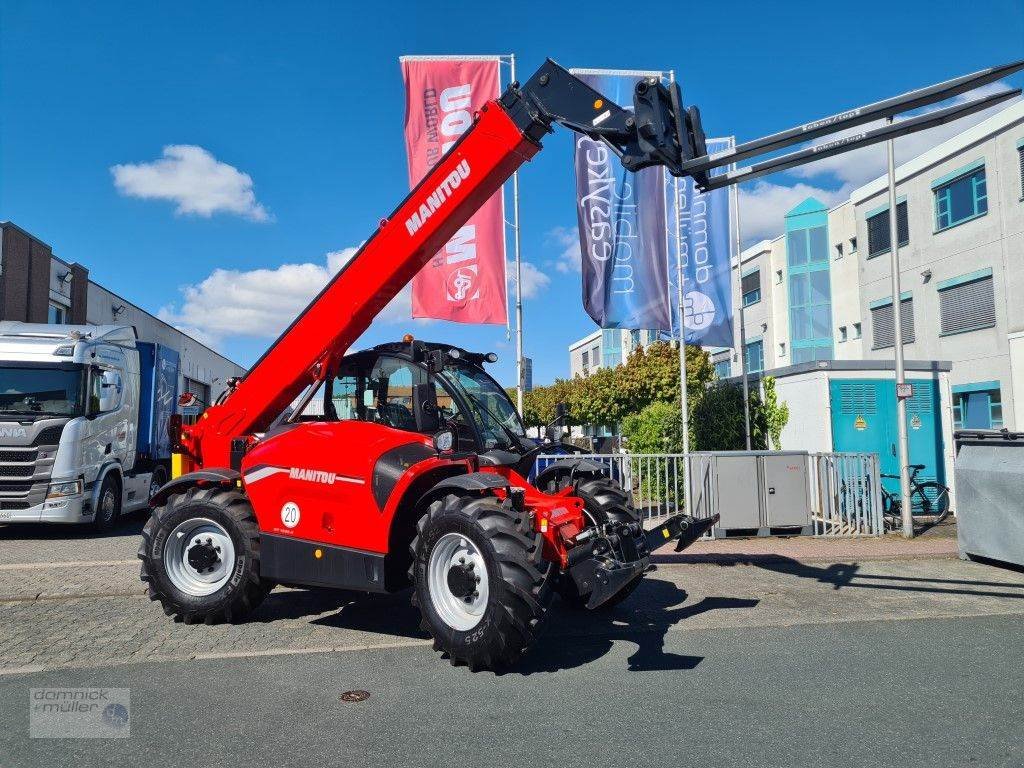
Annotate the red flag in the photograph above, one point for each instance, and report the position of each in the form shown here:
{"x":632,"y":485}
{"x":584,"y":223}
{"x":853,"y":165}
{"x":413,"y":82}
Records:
{"x":465,"y":281}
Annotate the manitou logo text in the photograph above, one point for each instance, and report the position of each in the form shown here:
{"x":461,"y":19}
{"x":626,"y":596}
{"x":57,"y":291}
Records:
{"x":312,"y":475}
{"x":437,"y":198}
{"x":13,"y":432}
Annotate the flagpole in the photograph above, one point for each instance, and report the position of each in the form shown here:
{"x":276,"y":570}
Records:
{"x":684,"y":406}
{"x":734,"y":191}
{"x":519,"y":274}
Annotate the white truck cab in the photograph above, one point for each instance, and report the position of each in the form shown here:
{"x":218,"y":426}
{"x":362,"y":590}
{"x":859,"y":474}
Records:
{"x":70,"y":424}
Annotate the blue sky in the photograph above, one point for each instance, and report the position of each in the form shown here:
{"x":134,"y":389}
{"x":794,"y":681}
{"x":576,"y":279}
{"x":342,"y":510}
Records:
{"x":306,"y":100}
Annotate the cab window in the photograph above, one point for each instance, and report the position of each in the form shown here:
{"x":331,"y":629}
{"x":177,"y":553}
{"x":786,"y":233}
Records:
{"x":382,"y":394}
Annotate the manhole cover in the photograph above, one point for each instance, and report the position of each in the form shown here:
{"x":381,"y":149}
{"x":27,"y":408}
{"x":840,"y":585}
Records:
{"x":350,"y":696}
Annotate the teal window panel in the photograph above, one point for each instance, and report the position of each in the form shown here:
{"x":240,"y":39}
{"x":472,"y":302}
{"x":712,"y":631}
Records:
{"x":970,"y":277}
{"x":961,"y":200}
{"x":755,"y":356}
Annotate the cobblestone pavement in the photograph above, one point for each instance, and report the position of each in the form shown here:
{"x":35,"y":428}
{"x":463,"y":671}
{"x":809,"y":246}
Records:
{"x":78,"y":602}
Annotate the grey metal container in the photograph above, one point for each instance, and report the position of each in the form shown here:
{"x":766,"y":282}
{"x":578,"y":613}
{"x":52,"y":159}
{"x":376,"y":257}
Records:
{"x":989,"y":472}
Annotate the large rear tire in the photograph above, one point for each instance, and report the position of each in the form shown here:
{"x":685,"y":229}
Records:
{"x":480,"y":582}
{"x":201,"y":558}
{"x":604,"y":501}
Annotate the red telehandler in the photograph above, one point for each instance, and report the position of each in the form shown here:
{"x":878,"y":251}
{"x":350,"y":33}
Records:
{"x":414,"y":470}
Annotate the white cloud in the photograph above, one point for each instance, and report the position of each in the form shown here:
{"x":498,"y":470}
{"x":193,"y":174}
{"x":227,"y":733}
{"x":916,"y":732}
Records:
{"x":195,"y":180}
{"x":862,"y":165}
{"x":567,"y":239}
{"x":764,"y":204}
{"x":261,"y":303}
{"x":534,"y":281}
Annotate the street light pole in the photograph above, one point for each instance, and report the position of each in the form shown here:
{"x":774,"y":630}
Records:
{"x":735,"y":192}
{"x":903,"y":449}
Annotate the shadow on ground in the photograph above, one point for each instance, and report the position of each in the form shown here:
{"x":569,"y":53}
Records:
{"x":129,"y":524}
{"x":577,"y":637}
{"x":848,"y":575}
{"x":572,"y":637}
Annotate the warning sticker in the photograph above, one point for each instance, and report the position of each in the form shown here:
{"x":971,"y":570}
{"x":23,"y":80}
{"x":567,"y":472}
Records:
{"x":915,"y":422}
{"x":860,"y":424}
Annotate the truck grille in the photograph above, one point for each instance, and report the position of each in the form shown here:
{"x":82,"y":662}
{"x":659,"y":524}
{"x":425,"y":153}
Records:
{"x":25,"y":470}
{"x":18,"y":454}
{"x":15,"y":487}
{"x":13,"y":505}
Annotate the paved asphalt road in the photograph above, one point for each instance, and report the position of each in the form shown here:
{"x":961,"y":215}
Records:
{"x":898,"y":663}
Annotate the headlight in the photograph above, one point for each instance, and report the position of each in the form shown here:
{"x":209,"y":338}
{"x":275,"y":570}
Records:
{"x":68,"y":488}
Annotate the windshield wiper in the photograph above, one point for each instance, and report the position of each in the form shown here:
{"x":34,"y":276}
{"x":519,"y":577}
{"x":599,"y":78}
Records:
{"x":512,"y":436}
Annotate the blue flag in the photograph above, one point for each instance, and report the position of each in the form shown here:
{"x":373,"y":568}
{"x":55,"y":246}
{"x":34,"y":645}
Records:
{"x":703,"y":250}
{"x":622,"y":224}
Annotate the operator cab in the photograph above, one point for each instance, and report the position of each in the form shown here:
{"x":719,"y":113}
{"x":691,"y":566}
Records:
{"x":425,"y":387}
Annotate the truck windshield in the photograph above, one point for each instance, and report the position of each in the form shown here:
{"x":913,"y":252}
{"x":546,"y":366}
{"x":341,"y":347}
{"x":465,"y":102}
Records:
{"x":40,"y":390}
{"x":493,"y":412}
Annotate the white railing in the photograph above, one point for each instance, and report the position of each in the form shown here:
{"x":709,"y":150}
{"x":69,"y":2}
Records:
{"x":843,"y":494}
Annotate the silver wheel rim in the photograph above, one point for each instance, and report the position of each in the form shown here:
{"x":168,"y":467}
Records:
{"x":181,"y":570}
{"x":455,"y":551}
{"x":107,"y":505}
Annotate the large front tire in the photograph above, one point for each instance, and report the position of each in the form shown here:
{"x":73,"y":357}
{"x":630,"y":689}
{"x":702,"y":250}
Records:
{"x":200,"y":556}
{"x":604,"y":501}
{"x":480,"y":582}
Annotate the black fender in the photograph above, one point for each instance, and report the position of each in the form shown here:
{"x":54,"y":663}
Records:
{"x":216,"y":476}
{"x":572,"y":468}
{"x":479,"y":483}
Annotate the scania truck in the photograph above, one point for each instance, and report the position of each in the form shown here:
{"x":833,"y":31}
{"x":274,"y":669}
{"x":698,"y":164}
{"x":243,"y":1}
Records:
{"x":84,"y":412}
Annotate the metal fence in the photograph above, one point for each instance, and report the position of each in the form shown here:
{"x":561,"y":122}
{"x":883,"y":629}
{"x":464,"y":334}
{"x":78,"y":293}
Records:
{"x":843,"y":494}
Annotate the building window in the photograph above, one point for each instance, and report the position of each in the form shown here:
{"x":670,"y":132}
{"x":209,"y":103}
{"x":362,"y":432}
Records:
{"x":883,"y":325}
{"x":778,"y":277}
{"x":586,"y":362}
{"x":723,"y":369}
{"x":961,"y":200}
{"x":878,"y":230}
{"x":978,"y":406}
{"x":750,"y":285}
{"x":782,"y":349}
{"x":57,"y":314}
{"x":839,"y":250}
{"x":634,"y":339}
{"x":1020,"y":158}
{"x":842,"y":333}
{"x":853,"y":245}
{"x":810,"y":294}
{"x":856,"y":331}
{"x":755,"y":356}
{"x":967,"y":304}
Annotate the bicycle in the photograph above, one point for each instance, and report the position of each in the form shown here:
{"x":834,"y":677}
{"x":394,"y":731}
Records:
{"x":928,"y":498}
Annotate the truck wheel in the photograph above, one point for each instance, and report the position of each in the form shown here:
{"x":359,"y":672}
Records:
{"x":604,"y":501}
{"x":479,"y":580}
{"x":200,"y":556}
{"x":108,"y":504}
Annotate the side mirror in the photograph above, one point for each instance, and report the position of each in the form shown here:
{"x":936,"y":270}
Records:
{"x":424,"y":407}
{"x":444,"y":442}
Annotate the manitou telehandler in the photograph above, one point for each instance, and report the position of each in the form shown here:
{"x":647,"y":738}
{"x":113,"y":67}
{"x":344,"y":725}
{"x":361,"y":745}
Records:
{"x":407,"y":464}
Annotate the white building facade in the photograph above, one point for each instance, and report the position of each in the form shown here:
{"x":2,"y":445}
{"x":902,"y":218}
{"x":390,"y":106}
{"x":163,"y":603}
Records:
{"x":822,"y":289}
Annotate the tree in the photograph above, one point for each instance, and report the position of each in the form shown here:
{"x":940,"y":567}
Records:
{"x":776,"y":414}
